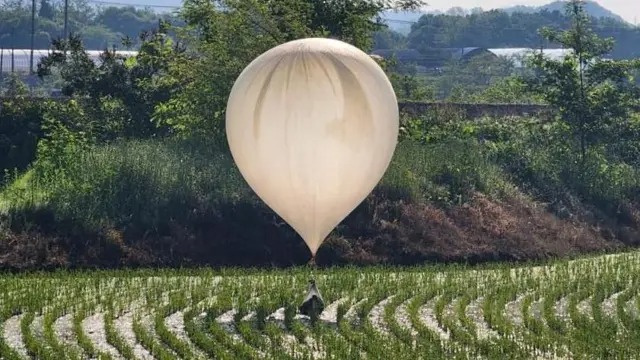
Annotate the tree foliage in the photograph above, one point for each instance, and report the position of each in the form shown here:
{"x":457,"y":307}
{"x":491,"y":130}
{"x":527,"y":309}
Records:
{"x":594,"y":95}
{"x":46,"y":10}
{"x":498,"y":29}
{"x":117,"y":95}
{"x":225,"y":41}
{"x":99,"y":28}
{"x":20,"y":131}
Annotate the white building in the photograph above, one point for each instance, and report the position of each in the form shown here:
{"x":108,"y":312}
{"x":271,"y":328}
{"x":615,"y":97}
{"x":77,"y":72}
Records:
{"x":518,"y":55}
{"x":18,"y":60}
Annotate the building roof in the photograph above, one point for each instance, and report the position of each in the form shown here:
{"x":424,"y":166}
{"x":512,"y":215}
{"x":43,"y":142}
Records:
{"x":400,"y":54}
{"x":517,"y":55}
{"x":464,"y":52}
{"x":434,"y":57}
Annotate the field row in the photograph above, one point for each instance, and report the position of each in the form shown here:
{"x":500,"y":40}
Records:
{"x":585,"y":309}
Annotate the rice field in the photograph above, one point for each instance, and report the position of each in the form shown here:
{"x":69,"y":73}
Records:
{"x":581,"y":309}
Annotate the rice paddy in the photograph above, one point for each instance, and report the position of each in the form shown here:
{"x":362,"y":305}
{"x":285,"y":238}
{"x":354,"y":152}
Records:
{"x":581,"y":309}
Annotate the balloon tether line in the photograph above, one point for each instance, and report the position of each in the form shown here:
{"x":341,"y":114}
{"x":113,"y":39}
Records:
{"x":312,"y":265}
{"x":313,"y":304}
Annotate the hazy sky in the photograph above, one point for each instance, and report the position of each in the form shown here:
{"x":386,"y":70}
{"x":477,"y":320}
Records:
{"x":628,"y":9}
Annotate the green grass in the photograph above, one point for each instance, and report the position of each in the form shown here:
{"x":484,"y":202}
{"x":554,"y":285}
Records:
{"x":21,"y":193}
{"x":139,"y":182}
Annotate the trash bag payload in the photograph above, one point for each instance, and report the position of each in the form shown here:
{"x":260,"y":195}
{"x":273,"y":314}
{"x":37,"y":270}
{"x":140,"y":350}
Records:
{"x":313,"y":303}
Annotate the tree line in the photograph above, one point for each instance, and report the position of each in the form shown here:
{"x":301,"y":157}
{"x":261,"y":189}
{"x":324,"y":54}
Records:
{"x":99,"y":26}
{"x":499,"y":29}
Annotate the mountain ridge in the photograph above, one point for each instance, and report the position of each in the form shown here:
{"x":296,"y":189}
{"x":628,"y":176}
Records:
{"x":400,"y":21}
{"x":591,"y":7}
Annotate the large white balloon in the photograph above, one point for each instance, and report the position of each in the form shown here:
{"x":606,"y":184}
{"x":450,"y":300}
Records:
{"x":312,"y":125}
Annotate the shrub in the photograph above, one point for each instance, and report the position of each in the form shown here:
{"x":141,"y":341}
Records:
{"x":446,"y":172}
{"x":20,"y":130}
{"x":143,"y":183}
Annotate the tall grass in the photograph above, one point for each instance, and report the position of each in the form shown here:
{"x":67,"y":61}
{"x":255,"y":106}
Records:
{"x":446,"y":172}
{"x":138,"y":182}
{"x":147,"y":184}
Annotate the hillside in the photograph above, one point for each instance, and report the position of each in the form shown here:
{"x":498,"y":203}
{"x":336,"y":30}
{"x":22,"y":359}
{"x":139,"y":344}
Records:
{"x":497,"y":29}
{"x":453,"y":199}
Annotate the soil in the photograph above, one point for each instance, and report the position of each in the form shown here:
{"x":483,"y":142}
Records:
{"x":379,"y":231}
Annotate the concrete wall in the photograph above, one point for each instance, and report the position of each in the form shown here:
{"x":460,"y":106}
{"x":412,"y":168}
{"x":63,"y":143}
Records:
{"x":469,"y":111}
{"x":474,"y":111}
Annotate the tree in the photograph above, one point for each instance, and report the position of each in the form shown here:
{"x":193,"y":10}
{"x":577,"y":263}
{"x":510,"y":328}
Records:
{"x":388,"y":39}
{"x":46,"y":10}
{"x":473,"y":75}
{"x":127,"y":21}
{"x":96,"y":25}
{"x":15,"y":86}
{"x":594,"y":95}
{"x":119,"y":94}
{"x":222,"y":43}
{"x":498,"y":29}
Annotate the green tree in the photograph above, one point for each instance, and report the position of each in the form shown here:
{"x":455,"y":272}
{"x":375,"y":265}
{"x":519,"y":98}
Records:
{"x":593,"y":95}
{"x":65,"y":136}
{"x":118,"y":94}
{"x":224,"y":42}
{"x":14,"y":86}
{"x":510,"y":90}
{"x":20,"y":130}
{"x":388,"y":39}
{"x":98,"y":26}
{"x":473,"y":75}
{"x":409,"y":87}
{"x":46,"y":10}
{"x":127,"y":21}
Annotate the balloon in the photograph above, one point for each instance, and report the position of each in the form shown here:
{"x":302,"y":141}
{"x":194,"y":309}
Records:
{"x":312,"y":125}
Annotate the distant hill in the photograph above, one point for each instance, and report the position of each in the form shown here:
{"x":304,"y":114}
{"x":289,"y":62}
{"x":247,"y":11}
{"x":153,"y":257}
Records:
{"x":593,"y":8}
{"x":401,"y":21}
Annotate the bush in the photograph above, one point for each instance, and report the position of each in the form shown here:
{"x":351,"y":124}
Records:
{"x":545,"y":163}
{"x":145,"y":184}
{"x":446,"y":172}
{"x":175,"y":199}
{"x":20,"y":130}
{"x":149,"y":184}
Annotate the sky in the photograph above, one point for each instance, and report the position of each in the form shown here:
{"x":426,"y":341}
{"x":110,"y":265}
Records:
{"x":628,"y":9}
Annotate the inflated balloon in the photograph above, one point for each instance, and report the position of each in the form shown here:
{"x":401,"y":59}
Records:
{"x":312,"y":125}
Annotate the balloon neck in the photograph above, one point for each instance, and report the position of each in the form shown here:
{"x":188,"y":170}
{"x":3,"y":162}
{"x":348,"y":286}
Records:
{"x":312,"y":262}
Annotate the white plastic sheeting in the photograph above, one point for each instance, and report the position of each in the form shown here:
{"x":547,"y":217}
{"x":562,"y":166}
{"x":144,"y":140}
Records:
{"x":312,"y":125}
{"x":20,"y":59}
{"x":518,"y":55}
